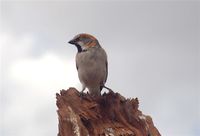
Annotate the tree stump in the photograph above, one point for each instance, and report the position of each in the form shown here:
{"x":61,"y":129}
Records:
{"x":108,"y":115}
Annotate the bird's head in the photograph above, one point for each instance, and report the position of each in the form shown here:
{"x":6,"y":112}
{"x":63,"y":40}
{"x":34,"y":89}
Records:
{"x":84,"y":42}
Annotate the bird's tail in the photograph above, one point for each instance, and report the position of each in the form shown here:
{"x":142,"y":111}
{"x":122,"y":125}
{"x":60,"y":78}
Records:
{"x":94,"y":91}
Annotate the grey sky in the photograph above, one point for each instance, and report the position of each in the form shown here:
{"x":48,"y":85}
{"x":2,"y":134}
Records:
{"x":153,"y":54}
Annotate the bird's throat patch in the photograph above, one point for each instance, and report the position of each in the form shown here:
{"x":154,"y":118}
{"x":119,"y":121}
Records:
{"x":78,"y":48}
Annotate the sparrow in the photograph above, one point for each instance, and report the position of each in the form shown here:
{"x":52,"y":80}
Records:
{"x":91,"y":63}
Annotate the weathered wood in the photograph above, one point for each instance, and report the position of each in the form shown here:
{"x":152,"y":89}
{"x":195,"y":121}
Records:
{"x":107,"y":115}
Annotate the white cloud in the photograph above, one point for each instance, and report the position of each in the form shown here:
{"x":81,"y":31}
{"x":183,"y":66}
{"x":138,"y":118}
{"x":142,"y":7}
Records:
{"x":47,"y":72}
{"x":14,"y":46}
{"x":30,"y":84}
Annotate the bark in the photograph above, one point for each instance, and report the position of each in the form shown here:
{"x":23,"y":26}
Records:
{"x":108,"y":115}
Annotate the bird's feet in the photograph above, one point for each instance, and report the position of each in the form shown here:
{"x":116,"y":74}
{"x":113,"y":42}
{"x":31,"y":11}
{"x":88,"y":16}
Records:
{"x":81,"y":94}
{"x":110,"y":90}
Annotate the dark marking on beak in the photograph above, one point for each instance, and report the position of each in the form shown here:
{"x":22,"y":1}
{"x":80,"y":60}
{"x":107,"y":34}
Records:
{"x":72,"y":41}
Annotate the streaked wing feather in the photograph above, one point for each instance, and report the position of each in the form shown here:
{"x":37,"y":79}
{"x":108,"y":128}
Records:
{"x":106,"y":71}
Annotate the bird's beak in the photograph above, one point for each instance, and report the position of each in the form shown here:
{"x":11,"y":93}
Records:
{"x":73,"y":41}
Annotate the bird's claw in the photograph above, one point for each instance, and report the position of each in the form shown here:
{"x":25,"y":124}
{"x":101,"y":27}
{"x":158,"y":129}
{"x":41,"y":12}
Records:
{"x":81,"y":94}
{"x":110,"y":90}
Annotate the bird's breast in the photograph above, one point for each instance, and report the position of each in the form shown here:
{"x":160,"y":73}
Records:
{"x":91,"y":67}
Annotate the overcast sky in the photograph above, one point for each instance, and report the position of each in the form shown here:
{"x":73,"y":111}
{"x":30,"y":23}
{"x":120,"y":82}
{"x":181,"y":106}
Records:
{"x":153,"y":54}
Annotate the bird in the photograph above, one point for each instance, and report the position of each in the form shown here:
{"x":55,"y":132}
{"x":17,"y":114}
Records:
{"x":91,"y":63}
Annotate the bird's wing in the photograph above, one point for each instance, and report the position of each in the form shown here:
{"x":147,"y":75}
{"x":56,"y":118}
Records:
{"x":76,"y":61}
{"x":101,"y":87}
{"x":76,"y":66}
{"x":106,"y":71}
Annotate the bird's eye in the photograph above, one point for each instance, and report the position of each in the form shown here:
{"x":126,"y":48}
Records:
{"x":80,"y":38}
